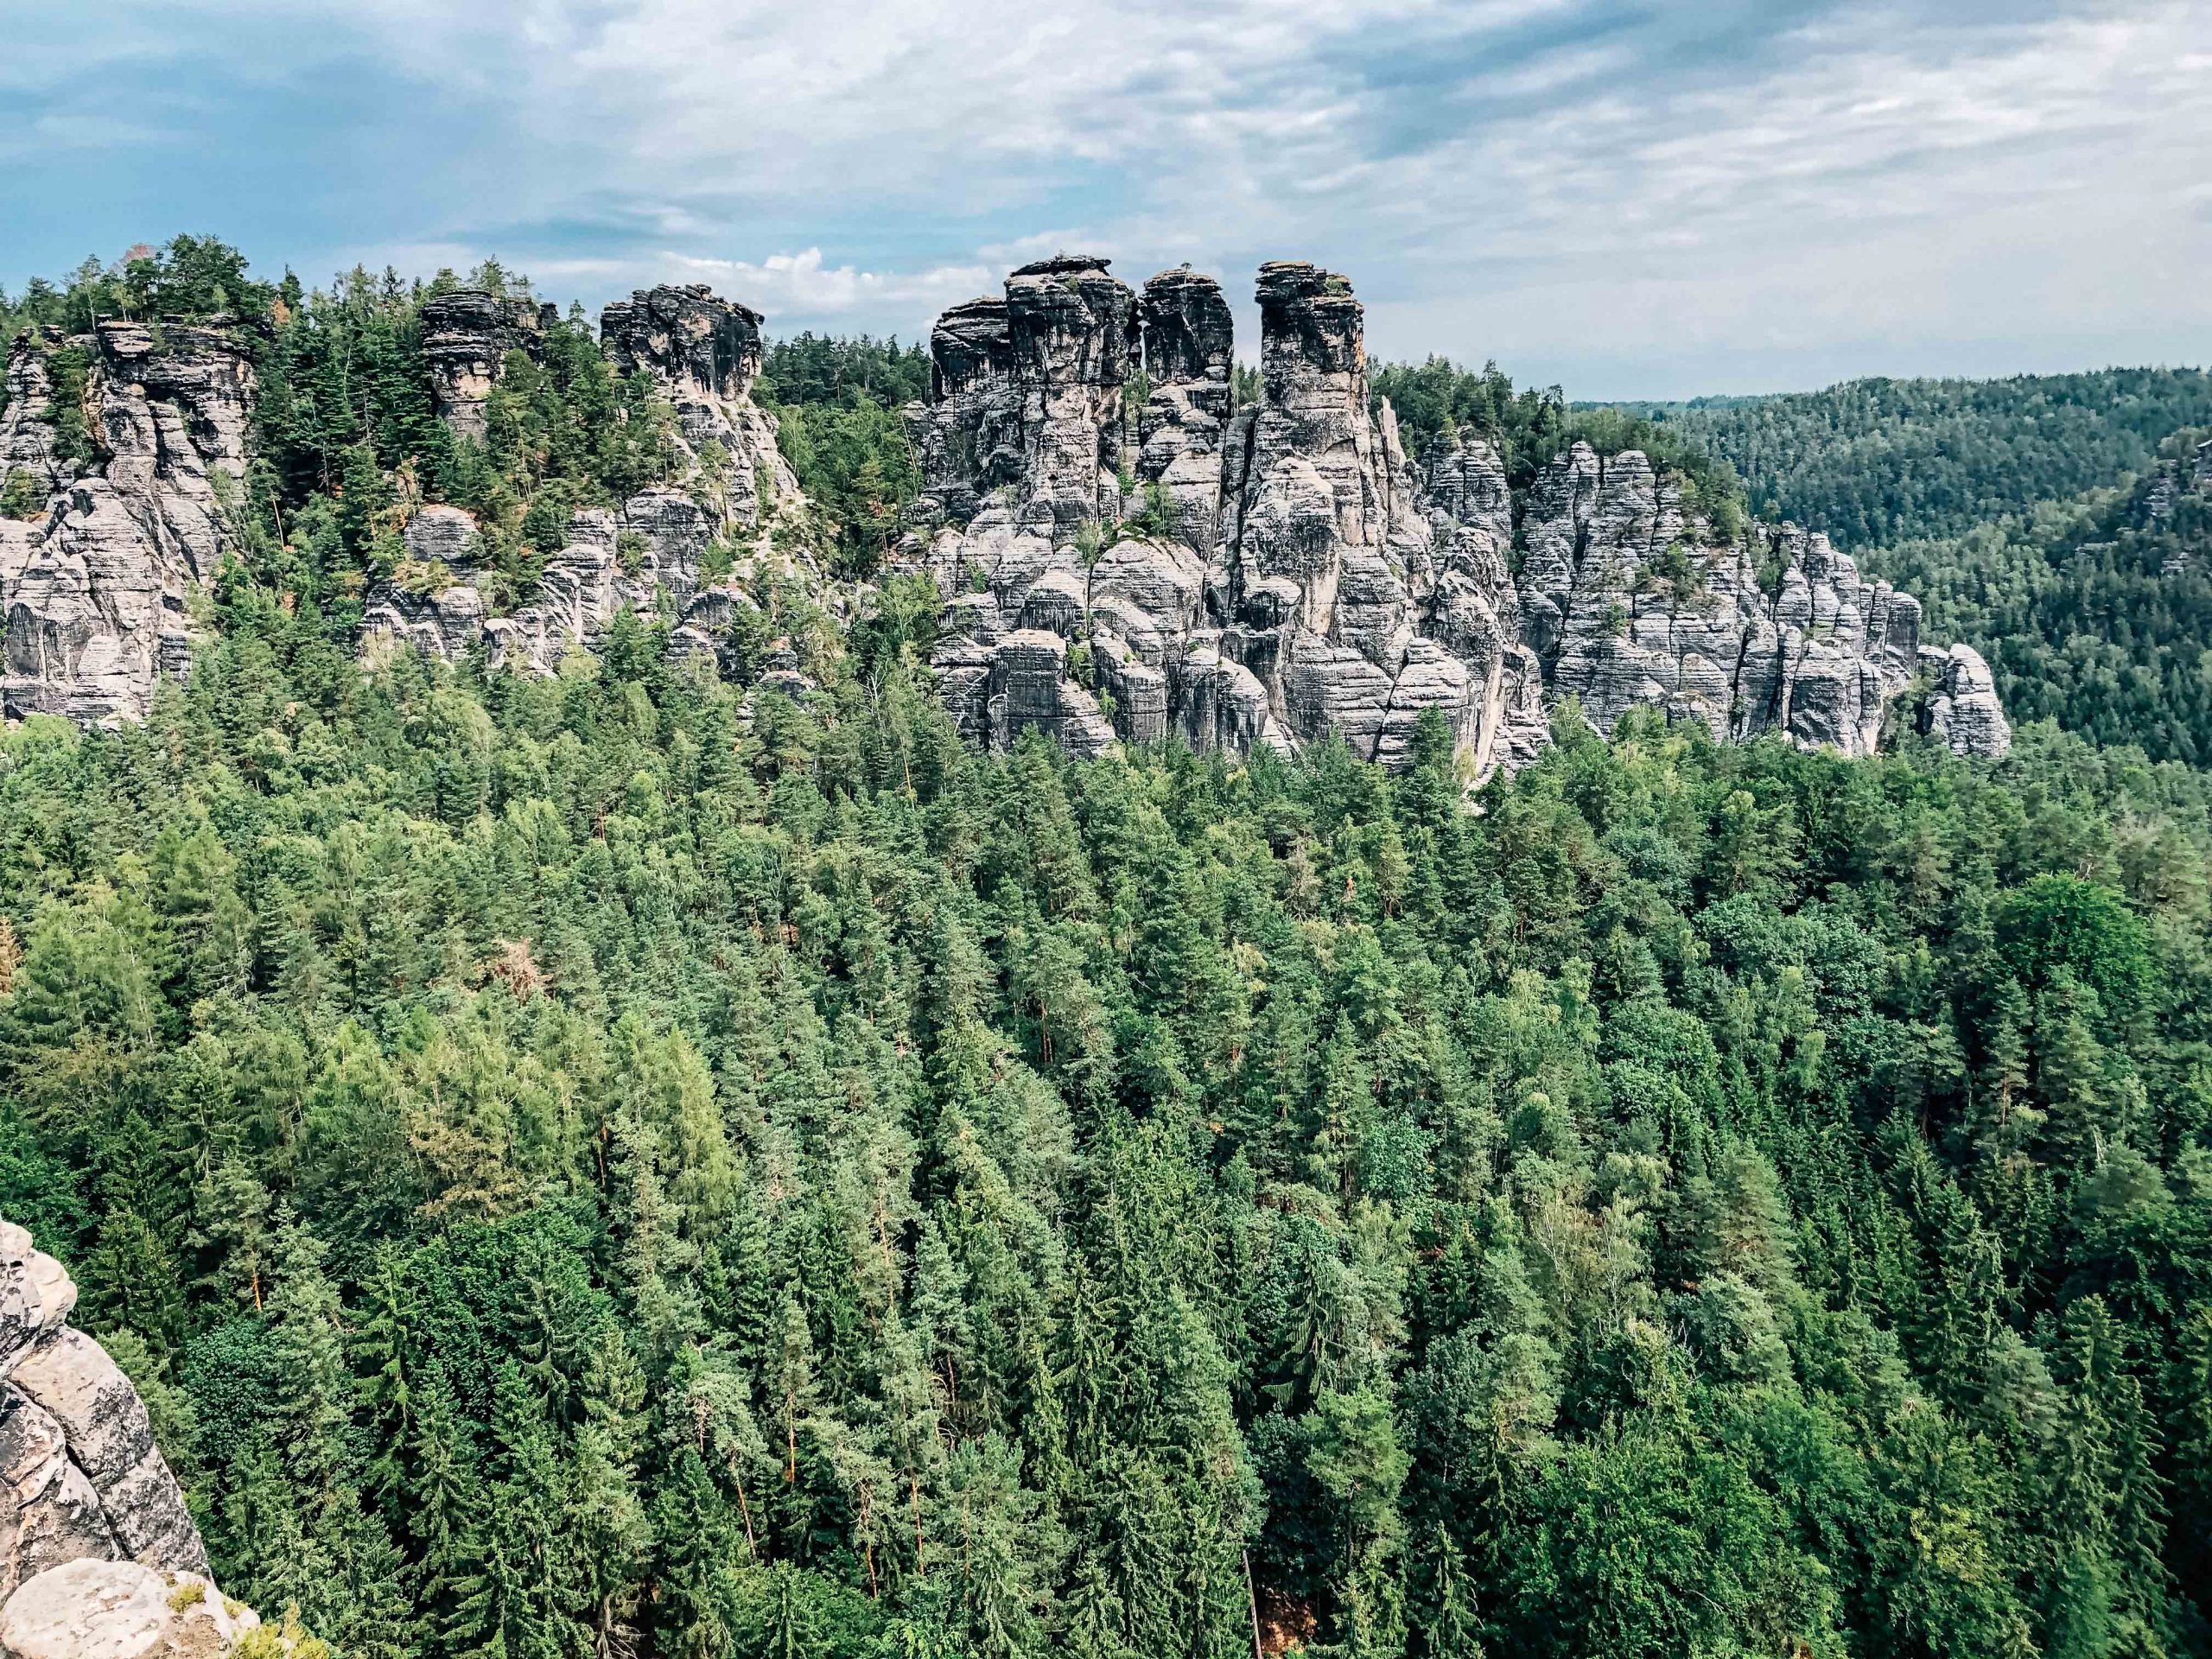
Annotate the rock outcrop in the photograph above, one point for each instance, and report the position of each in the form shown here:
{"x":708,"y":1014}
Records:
{"x":96,"y":590}
{"x":1962,"y":708}
{"x":702,"y":355}
{"x":1283,"y":573}
{"x":92,"y":1608}
{"x":1026,"y":416}
{"x":466,"y":334}
{"x":80,"y":1474}
{"x":1631,"y":602}
{"x":1190,"y":348}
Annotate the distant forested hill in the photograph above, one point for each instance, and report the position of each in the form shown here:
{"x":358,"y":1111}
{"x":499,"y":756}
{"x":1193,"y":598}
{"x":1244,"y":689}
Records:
{"x":1878,"y":462}
{"x":2095,"y":612}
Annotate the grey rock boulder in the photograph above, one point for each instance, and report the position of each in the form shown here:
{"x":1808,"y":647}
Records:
{"x":95,"y":1609}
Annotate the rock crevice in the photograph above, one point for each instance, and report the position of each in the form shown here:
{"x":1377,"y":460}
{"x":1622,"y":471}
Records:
{"x":80,"y":1477}
{"x":1284,"y":573}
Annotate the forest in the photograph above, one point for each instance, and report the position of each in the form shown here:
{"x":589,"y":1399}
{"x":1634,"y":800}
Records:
{"x":624,"y":1165}
{"x":1879,"y":462}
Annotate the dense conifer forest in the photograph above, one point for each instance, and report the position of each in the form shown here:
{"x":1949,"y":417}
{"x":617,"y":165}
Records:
{"x":624,"y":1165}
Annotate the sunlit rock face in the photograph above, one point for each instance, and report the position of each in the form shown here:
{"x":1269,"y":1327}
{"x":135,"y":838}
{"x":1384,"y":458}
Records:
{"x":96,"y":590}
{"x":1283,"y":573}
{"x":80,"y":1477}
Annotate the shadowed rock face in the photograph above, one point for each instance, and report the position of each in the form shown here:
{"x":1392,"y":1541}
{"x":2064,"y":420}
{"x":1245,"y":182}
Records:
{"x":467,"y":335}
{"x":1190,"y":348}
{"x":1026,"y":409}
{"x":1297,"y":578}
{"x":95,"y":592}
{"x":704,"y":354}
{"x":80,"y":1476}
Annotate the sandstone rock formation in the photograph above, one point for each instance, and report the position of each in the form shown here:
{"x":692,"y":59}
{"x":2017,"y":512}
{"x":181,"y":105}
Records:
{"x":1629,"y":602}
{"x":703,"y":354}
{"x":96,"y":591}
{"x":1025,"y":412}
{"x":80,"y":1476}
{"x":1284,"y":573}
{"x":98,"y":1557}
{"x":1963,"y":709}
{"x":466,"y":334}
{"x":93,"y":1608}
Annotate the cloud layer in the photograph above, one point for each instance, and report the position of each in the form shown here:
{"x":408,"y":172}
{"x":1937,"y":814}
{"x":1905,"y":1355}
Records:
{"x":1635,"y":201}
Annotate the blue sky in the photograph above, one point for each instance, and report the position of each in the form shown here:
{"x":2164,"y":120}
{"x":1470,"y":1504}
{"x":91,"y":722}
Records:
{"x":1634,"y":200}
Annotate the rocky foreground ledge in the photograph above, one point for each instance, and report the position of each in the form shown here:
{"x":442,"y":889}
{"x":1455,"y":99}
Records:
{"x":98,"y":1556}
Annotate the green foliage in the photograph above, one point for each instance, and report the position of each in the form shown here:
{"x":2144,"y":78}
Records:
{"x":2092,"y":612}
{"x":1879,"y":462}
{"x":605,"y":1165}
{"x":812,"y":369}
{"x":838,"y":403}
{"x":20,"y":495}
{"x":1437,"y":399}
{"x":68,"y":368}
{"x":570,"y":1170}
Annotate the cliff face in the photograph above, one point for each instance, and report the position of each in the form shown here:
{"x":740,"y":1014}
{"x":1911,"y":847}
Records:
{"x":1273,"y":574}
{"x":1283,"y":572}
{"x":96,"y":590}
{"x":702,"y":355}
{"x":98,"y":1557}
{"x":467,"y":335}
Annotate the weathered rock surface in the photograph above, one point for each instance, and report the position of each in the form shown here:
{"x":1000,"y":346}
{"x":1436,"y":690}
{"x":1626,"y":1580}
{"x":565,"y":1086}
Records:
{"x":1190,"y":346}
{"x":1293,"y":576}
{"x":94,"y":1608}
{"x":466,"y":334}
{"x":96,"y":592}
{"x":1963,"y":709}
{"x":1028,"y":401}
{"x":27,"y":436}
{"x":80,"y":1476}
{"x":1629,"y":602}
{"x":704,"y":354}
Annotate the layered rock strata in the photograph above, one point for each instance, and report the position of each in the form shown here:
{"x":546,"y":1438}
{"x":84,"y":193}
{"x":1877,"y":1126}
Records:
{"x":1284,"y":573}
{"x":467,"y":335}
{"x":80,"y":1477}
{"x":98,"y":1557}
{"x":1026,"y":416}
{"x":702,"y":354}
{"x":96,"y":590}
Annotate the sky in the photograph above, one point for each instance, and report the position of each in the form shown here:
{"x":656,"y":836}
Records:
{"x":1629,"y":200}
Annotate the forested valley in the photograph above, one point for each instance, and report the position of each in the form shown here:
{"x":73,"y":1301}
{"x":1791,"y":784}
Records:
{"x":631,"y":1163}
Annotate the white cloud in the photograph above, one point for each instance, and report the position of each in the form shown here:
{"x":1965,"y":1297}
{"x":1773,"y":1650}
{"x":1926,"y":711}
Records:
{"x":802,"y":286}
{"x":1606,"y":193}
